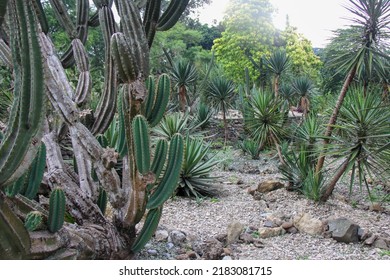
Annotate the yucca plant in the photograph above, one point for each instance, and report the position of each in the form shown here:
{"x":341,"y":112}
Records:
{"x":183,"y":75}
{"x":195,"y":177}
{"x":220,"y":93}
{"x":368,"y":42}
{"x":277,"y":63}
{"x":363,"y":128}
{"x":267,"y":120}
{"x":303,"y":87}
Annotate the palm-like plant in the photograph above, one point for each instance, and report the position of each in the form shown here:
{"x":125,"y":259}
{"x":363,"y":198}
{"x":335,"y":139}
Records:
{"x":303,"y":87}
{"x":183,"y":75}
{"x":220,"y":93}
{"x":371,"y":25}
{"x":362,"y":130}
{"x":267,"y":119}
{"x":277,"y":63}
{"x":203,"y":115}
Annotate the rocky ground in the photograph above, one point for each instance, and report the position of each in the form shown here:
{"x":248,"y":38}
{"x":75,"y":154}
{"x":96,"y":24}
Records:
{"x":244,"y":223}
{"x":254,"y":217}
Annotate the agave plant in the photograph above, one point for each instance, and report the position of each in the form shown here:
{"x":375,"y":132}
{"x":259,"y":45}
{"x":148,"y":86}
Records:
{"x":195,"y":179}
{"x":277,"y":63}
{"x":203,"y":115}
{"x":251,"y":147}
{"x":220,"y":93}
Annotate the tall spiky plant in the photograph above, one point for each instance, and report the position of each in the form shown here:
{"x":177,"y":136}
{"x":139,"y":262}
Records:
{"x":371,"y":19}
{"x":277,"y":63}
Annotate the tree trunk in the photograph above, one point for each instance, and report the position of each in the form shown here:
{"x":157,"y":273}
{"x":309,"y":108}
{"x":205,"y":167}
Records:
{"x":182,"y":98}
{"x":333,"y":182}
{"x":225,"y":124}
{"x":333,"y":118}
{"x":276,"y":86}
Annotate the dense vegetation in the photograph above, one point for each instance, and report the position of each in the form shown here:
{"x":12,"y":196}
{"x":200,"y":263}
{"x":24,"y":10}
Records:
{"x":102,"y":111}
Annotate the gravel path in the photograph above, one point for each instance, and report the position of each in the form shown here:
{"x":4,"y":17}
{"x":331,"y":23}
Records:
{"x":203,"y":219}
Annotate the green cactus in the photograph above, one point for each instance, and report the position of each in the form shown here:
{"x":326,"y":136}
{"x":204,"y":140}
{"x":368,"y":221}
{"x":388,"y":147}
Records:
{"x":169,"y":181}
{"x":157,"y":101}
{"x":35,"y":175}
{"x":27,"y":112}
{"x":17,"y":187}
{"x":160,"y":155}
{"x":141,"y":144}
{"x":102,"y":200}
{"x":34,"y":221}
{"x":3,"y":10}
{"x":56,"y":210}
{"x":121,"y":146}
{"x":171,"y":15}
{"x":151,"y":222}
{"x":14,"y":238}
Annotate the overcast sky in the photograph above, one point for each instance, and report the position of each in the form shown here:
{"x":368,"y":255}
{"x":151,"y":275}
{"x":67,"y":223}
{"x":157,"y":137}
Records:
{"x":315,"y":19}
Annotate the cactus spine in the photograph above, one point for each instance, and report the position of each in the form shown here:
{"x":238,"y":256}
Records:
{"x":56,"y":210}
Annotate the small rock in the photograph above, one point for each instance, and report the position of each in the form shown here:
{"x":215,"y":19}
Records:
{"x":377,"y":207}
{"x":270,"y":232}
{"x":369,"y":241}
{"x":269,"y":224}
{"x":161,"y":235}
{"x":152,"y":252}
{"x":227,"y":258}
{"x":305,"y":223}
{"x":170,"y":245}
{"x":344,"y":230}
{"x":292,"y":230}
{"x":221,"y":237}
{"x":212,"y":249}
{"x":287,"y":225}
{"x":177,"y":237}
{"x":269,"y":186}
{"x":258,"y":243}
{"x":240,"y":182}
{"x":192,"y":255}
{"x":227,"y":251}
{"x":182,"y":257}
{"x":233,"y":232}
{"x":363,"y":234}
{"x":247,"y":238}
{"x":380,"y":243}
{"x":251,"y":190}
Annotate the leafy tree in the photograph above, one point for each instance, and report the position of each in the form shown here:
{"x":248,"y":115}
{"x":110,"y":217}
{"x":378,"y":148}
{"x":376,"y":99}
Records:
{"x":248,"y":26}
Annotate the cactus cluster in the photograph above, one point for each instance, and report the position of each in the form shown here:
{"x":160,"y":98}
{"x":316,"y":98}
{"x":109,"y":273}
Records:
{"x":147,"y":179}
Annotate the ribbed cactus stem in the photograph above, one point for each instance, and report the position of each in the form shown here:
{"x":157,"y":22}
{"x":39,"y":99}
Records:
{"x":34,"y":221}
{"x":23,"y":135}
{"x":168,"y":183}
{"x":149,"y":228}
{"x":141,"y":144}
{"x":56,"y":210}
{"x":35,"y":175}
{"x":157,"y":102}
{"x":172,"y":14}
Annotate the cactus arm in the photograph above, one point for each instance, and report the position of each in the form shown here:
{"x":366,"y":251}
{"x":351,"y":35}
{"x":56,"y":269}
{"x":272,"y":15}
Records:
{"x":107,"y":104}
{"x":141,"y":144}
{"x":3,"y":10}
{"x":84,"y":85}
{"x":121,"y":146}
{"x":161,"y":100}
{"x":172,"y":14}
{"x":34,"y":221}
{"x":63,"y":17}
{"x":151,"y":17}
{"x":151,"y":222}
{"x":102,"y":200}
{"x":56,"y":210}
{"x":148,"y":104}
{"x":160,"y":155}
{"x":35,"y":175}
{"x":171,"y":176}
{"x":14,"y":238}
{"x":123,"y":58}
{"x":41,"y":16}
{"x":27,"y":115}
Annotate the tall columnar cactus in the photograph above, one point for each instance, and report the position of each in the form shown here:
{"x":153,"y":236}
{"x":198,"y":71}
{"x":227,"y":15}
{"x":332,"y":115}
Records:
{"x":23,"y":135}
{"x":56,"y":210}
